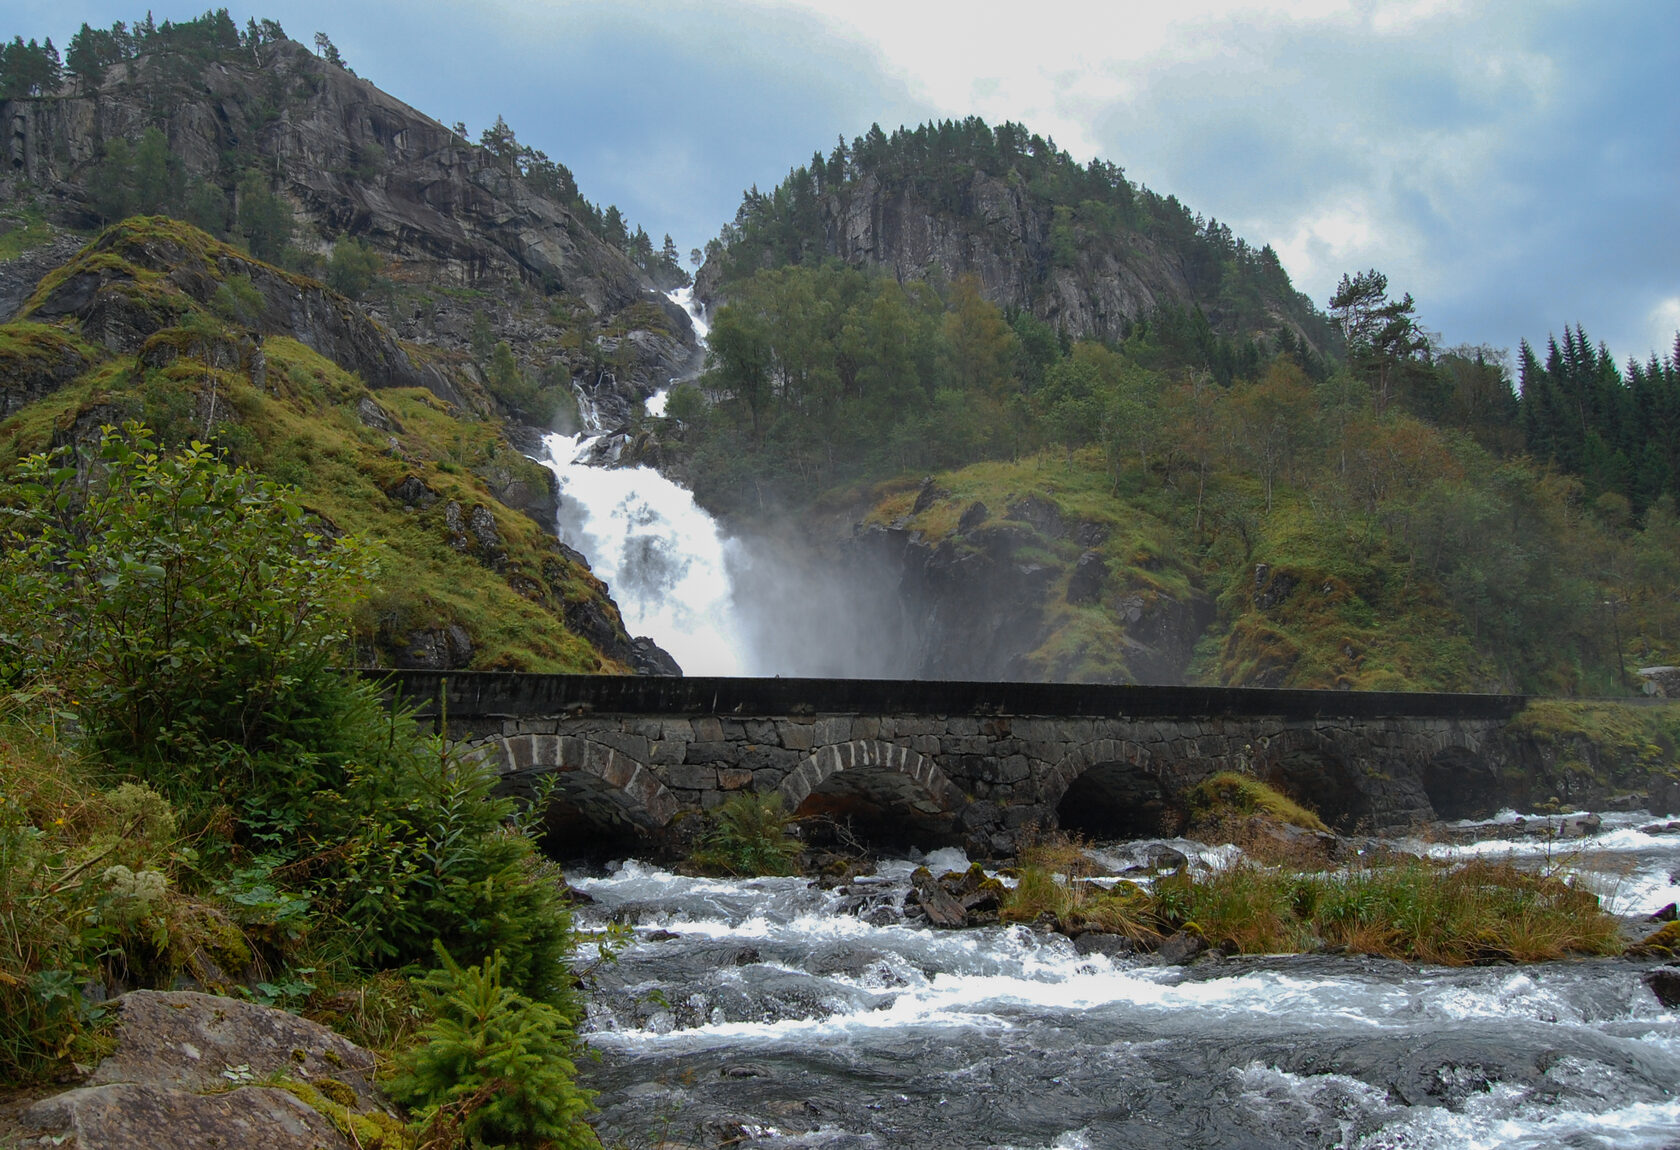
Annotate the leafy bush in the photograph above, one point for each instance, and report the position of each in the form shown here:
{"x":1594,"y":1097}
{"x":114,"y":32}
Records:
{"x":493,"y":1068}
{"x":180,"y":599}
{"x":748,"y":836}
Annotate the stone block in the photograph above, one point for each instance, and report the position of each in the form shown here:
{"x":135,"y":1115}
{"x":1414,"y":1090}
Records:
{"x":733,"y":779}
{"x":734,"y":730}
{"x":520,"y":755}
{"x":767,"y":779}
{"x":795,"y":736}
{"x":762,"y":731}
{"x":866,"y":727}
{"x":692,"y":778}
{"x":649,"y":729}
{"x":669,"y":751}
{"x":1017,"y":817}
{"x":676,"y":730}
{"x":962,"y":726}
{"x":712,"y":753}
{"x":712,"y":800}
{"x":762,"y":758}
{"x":708,"y":730}
{"x":833,"y":729}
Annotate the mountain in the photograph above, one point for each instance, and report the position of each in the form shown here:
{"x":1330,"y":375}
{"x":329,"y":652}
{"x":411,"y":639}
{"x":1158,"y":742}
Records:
{"x":254,"y":132}
{"x":1080,"y":247}
{"x":470,"y":293}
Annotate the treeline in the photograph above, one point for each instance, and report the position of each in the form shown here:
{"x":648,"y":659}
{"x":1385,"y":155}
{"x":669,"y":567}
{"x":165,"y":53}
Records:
{"x":1403,"y":472}
{"x":37,"y":70}
{"x":1619,"y":432}
{"x":1085,"y":203}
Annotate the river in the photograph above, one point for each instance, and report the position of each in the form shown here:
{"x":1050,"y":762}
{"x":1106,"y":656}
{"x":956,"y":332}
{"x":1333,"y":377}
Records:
{"x":774,"y":1013}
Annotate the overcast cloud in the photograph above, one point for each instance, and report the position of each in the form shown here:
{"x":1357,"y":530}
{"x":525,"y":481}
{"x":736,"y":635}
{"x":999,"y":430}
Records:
{"x":1516,"y":166}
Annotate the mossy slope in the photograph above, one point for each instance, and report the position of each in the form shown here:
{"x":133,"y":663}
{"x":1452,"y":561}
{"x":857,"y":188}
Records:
{"x":156,"y":321}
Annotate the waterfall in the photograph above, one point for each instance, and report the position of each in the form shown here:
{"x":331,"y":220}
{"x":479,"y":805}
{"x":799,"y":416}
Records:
{"x":662,"y":556}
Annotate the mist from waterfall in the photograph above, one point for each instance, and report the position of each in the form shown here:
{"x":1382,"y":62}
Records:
{"x":720,"y":604}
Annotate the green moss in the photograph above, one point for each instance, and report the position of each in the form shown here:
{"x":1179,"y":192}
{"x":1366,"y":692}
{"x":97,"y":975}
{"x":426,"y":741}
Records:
{"x":1629,"y":740}
{"x":1228,"y":793}
{"x":27,"y":230}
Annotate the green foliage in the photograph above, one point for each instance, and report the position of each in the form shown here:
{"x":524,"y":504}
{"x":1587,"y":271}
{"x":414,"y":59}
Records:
{"x":1083,"y":208}
{"x":265,"y":219}
{"x":748,"y":836}
{"x":186,"y":598}
{"x":29,"y":69}
{"x":493,"y":1068}
{"x":353,"y":267}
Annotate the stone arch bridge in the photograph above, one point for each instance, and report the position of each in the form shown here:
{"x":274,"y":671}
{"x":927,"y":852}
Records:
{"x":930,"y":763}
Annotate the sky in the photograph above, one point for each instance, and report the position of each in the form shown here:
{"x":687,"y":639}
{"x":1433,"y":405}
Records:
{"x":1513,"y":165}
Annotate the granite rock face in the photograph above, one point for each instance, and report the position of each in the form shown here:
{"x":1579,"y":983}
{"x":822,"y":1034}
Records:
{"x":181,"y":1075}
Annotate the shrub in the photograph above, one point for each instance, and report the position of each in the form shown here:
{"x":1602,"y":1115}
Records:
{"x":181,"y":599}
{"x":493,"y":1068}
{"x":748,"y":836}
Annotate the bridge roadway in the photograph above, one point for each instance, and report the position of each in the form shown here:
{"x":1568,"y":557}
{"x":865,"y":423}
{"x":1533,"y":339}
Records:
{"x":936,"y":762}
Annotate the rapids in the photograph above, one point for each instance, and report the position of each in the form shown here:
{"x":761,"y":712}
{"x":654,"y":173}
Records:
{"x":774,"y":1013}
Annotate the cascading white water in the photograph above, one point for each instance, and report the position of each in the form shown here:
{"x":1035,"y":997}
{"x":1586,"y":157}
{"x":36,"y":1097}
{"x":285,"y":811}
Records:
{"x":661,"y":555}
{"x":769,"y":1013}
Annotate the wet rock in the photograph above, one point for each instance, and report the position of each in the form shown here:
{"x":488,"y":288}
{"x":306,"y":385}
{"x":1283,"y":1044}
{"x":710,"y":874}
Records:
{"x":973,"y":516}
{"x":413,"y":492}
{"x":1663,"y":942}
{"x":29,"y":375}
{"x":745,"y":1070}
{"x":440,"y":649}
{"x":1101,"y":942}
{"x":1667,"y":914}
{"x":1664,"y":982}
{"x":1181,"y":948}
{"x":649,"y":658}
{"x":941,"y":909}
{"x":1044,"y":516}
{"x":1089,"y":574}
{"x":662,"y":936}
{"x":1160,"y":857}
{"x":370,"y":413}
{"x":926,"y":496}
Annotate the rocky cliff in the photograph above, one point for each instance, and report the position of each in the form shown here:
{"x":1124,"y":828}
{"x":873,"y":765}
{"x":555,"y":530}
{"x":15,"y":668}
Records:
{"x":464,"y":238}
{"x":1078,"y":246}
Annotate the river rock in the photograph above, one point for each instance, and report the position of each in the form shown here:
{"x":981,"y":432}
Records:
{"x":1180,"y":948}
{"x":1664,"y":982}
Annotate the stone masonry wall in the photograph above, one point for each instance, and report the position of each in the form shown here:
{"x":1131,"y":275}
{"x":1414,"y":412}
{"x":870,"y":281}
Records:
{"x":978,"y":780}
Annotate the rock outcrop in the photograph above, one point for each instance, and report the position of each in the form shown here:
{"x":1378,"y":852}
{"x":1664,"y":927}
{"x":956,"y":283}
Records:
{"x":184,"y":1075}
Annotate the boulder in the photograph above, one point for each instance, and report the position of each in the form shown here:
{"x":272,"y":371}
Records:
{"x":129,"y":1116}
{"x":183,"y":1075}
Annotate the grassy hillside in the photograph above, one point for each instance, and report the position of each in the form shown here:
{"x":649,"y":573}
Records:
{"x":203,"y":353}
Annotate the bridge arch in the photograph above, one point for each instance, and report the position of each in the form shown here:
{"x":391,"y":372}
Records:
{"x":891,"y":794}
{"x":600,"y":786}
{"x":1111,"y":788}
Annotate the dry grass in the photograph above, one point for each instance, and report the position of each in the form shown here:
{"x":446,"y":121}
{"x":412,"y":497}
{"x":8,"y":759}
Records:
{"x":1423,"y":911}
